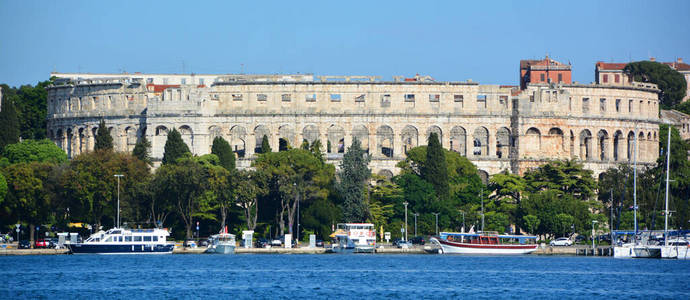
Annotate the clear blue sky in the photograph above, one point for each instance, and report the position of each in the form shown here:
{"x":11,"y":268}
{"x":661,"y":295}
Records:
{"x":454,"y":40}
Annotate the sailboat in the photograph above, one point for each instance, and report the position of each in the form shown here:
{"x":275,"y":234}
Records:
{"x":627,"y":250}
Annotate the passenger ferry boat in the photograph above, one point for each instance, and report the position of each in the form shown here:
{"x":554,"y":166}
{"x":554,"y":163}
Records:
{"x":354,"y":238}
{"x":125,"y":241}
{"x":222,"y":243}
{"x":490,"y":243}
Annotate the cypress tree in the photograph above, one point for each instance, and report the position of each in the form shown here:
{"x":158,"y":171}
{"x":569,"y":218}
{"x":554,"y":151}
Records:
{"x":174,"y":147}
{"x":353,"y":180}
{"x":141,"y":150}
{"x":9,"y":134}
{"x":305,"y":145}
{"x":265,"y":146}
{"x":435,"y":169}
{"x":104,"y":141}
{"x":222,"y":149}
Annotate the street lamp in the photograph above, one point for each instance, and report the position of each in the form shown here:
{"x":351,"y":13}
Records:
{"x":118,"y":198}
{"x":415,"y":223}
{"x":436,"y":214}
{"x":405,"y":203}
{"x":463,"y":221}
{"x":593,"y":222}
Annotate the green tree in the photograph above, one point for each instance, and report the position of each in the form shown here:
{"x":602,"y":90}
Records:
{"x":679,"y":187}
{"x":671,"y":83}
{"x":33,"y":150}
{"x":265,"y":145}
{"x":141,"y":150}
{"x":385,"y":196}
{"x":30,"y":104}
{"x":353,"y":183}
{"x":506,"y":186}
{"x":104,"y":141}
{"x":531,"y":222}
{"x":222,"y":149}
{"x":248,"y":185}
{"x":435,"y":169}
{"x":175,"y":148}
{"x":8,"y":119}
{"x":568,"y":177}
{"x":3,"y":189}
{"x":563,"y":223}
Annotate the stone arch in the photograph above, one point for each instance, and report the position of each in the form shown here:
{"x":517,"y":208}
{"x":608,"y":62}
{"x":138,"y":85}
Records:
{"x":60,"y":139}
{"x":458,"y":140}
{"x":361,"y":133}
{"x":130,"y":138}
{"x":532,"y":142}
{"x":436,"y":130}
{"x":310,"y":133}
{"x":410,"y":138}
{"x":259,"y":132}
{"x":238,"y":136}
{"x":386,"y":173}
{"x":555,"y":141}
{"x":384,"y":140}
{"x":502,"y":142}
{"x":82,"y":140}
{"x":336,"y":138}
{"x":631,"y":146}
{"x":187,"y":136}
{"x":585,"y":144}
{"x":70,"y":138}
{"x":286,"y":137}
{"x":480,"y":140}
{"x":213,"y":132}
{"x":484,"y":176}
{"x":572,"y":144}
{"x":603,"y":144}
{"x":617,"y":138}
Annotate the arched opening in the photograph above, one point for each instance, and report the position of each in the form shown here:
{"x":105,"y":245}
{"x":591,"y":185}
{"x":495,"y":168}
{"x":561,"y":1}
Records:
{"x":386,"y":173}
{"x":555,"y":142}
{"x":617,"y":137}
{"x":631,"y":146}
{"x":439,"y":133}
{"x":213,"y":132}
{"x":286,"y":137}
{"x":603,"y":140}
{"x":458,"y":140}
{"x":336,"y":139}
{"x":259,"y":133}
{"x":532,"y":143}
{"x":585,"y":144}
{"x":361,"y":133}
{"x":310,"y":133}
{"x":480,"y":139}
{"x":70,"y":141}
{"x":187,"y":136}
{"x":384,"y":137}
{"x":502,"y":142}
{"x":238,"y":135}
{"x":484,"y":176}
{"x":82,"y":140}
{"x":410,"y":137}
{"x":131,"y":138}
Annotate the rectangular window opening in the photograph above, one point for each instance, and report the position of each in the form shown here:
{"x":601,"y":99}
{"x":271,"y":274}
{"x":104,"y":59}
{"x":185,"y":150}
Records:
{"x":286,"y":97}
{"x":409,"y":97}
{"x":236,"y":97}
{"x":434,"y":97}
{"x":335,"y":97}
{"x":360,"y":98}
{"x":261,"y":97}
{"x":310,"y":98}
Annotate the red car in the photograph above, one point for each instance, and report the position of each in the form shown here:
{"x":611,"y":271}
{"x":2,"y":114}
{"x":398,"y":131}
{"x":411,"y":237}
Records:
{"x":42,"y":244}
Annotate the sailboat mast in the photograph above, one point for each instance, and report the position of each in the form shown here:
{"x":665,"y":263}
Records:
{"x":668,"y":164}
{"x":635,"y":184}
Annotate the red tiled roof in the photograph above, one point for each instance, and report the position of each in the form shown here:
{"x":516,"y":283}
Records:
{"x":610,"y":66}
{"x":525,"y":63}
{"x":157,"y":88}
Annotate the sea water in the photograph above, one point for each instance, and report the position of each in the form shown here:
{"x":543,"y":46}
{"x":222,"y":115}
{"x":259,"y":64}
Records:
{"x":339,"y":276}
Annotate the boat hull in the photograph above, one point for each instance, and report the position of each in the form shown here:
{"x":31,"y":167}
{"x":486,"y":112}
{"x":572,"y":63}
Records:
{"x":478,"y":249}
{"x":223,"y":249}
{"x":623,"y":252}
{"x":364,"y":249}
{"x":121,"y":249}
{"x":677,"y":252}
{"x":647,"y":252}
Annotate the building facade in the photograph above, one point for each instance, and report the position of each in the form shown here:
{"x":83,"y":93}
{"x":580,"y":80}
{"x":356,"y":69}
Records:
{"x":498,"y":128}
{"x":612,"y":74}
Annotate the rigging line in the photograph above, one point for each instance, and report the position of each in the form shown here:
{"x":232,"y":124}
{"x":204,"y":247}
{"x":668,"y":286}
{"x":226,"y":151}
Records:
{"x":658,"y":193}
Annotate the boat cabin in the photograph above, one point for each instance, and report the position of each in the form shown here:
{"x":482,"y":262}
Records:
{"x":129,"y":236}
{"x":488,"y":238}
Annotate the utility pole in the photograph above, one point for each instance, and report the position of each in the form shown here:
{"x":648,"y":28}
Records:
{"x":405,"y":203}
{"x":463,"y":221}
{"x":436,"y":214}
{"x":118,"y":198}
{"x":611,"y":213}
{"x":481,"y":196}
{"x":635,"y":185}
{"x":415,"y":223}
{"x":668,"y":164}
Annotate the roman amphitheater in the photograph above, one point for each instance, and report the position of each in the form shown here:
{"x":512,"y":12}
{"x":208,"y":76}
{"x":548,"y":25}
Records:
{"x":496,"y":127}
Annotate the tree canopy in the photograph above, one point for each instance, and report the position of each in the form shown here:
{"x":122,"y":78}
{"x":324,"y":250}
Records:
{"x":174,"y":148}
{"x":671,"y":83}
{"x":353,"y":183}
{"x":104,"y":141}
{"x":265,"y":146}
{"x":222,"y":149}
{"x":33,"y":150}
{"x":141,"y":150}
{"x":435,"y":169}
{"x":8,"y":119}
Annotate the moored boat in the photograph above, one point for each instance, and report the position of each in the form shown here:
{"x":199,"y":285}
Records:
{"x":125,"y":241}
{"x":485,"y":243}
{"x":222,"y":243}
{"x":354,"y":238}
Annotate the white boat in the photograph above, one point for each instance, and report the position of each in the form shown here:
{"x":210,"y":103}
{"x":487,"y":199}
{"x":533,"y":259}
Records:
{"x":486,"y":243}
{"x":125,"y":241}
{"x":354,"y":238}
{"x":222,"y":243}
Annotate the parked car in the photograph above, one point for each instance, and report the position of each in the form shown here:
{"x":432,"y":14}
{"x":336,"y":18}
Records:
{"x":276,"y":242}
{"x":43,"y":243}
{"x":24,"y":244}
{"x":319,"y":243}
{"x":562,"y":241}
{"x":402,"y":244}
{"x":580,"y":239}
{"x":261,"y":243}
{"x":417,"y":240}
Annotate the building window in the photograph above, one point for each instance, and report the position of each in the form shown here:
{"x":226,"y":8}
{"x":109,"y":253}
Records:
{"x":458,"y":98}
{"x":585,"y":105}
{"x":409,"y":97}
{"x":335,"y":97}
{"x":184,"y":80}
{"x":630,"y":104}
{"x":165,"y":80}
{"x":560,"y":77}
{"x":618,"y":105}
{"x":310,"y":98}
{"x":606,"y":78}
{"x":236,"y":97}
{"x":434,"y":97}
{"x":360,"y":98}
{"x":481,"y":101}
{"x":570,"y":103}
{"x":616,"y":78}
{"x":385,"y":100}
{"x":201,"y":81}
{"x":503,"y":100}
{"x":261,"y":97}
{"x":286,"y":97}
{"x":602,"y":104}
{"x":149,"y":80}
